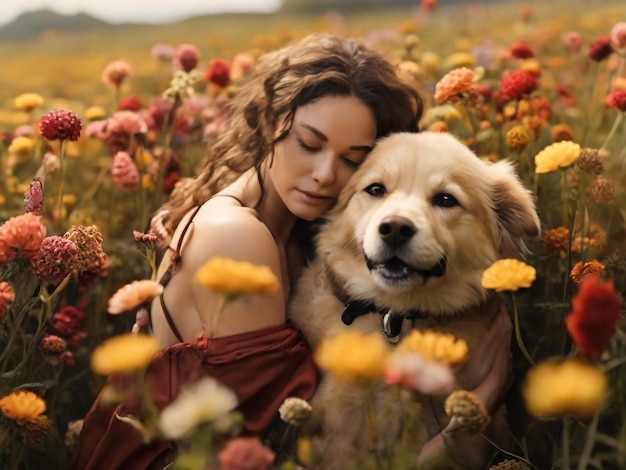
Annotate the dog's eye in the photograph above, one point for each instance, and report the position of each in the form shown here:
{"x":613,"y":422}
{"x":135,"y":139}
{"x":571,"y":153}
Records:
{"x":376,"y":190}
{"x":445,"y":200}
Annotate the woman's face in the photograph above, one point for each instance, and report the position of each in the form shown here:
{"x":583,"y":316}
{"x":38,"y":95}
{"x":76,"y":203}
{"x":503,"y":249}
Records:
{"x":328,"y":140}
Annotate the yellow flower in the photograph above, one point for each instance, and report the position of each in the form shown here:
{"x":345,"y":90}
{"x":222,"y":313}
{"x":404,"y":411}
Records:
{"x":124,"y":353}
{"x":203,"y":401}
{"x":21,"y":144}
{"x":28,"y":101}
{"x":133,"y":295}
{"x":93,"y":113}
{"x":466,"y":411}
{"x":552,"y":389}
{"x":558,"y":155}
{"x":459,"y":59}
{"x":233,"y":278}
{"x":22,"y":406}
{"x":444,"y":348}
{"x":518,"y":137}
{"x":430,"y":62}
{"x":351,"y":355}
{"x":508,"y":274}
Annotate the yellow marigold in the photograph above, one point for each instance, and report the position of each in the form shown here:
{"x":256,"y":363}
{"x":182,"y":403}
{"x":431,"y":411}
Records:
{"x":28,"y":101}
{"x":518,"y":137}
{"x":351,"y":355}
{"x":558,"y":155}
{"x":582,"y":269}
{"x":22,"y":406}
{"x":124,"y":353}
{"x":572,"y":386}
{"x":453,"y":84}
{"x":133,"y":295}
{"x":508,"y":274}
{"x":440,"y":347}
{"x":232,"y":278}
{"x":94,"y":113}
{"x":466,"y":411}
{"x":21,"y":144}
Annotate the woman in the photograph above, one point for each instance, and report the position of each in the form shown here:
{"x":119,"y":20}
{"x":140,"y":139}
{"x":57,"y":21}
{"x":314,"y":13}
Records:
{"x":305,"y":119}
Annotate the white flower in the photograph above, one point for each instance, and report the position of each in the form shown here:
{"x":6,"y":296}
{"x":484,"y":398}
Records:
{"x":412,"y":370}
{"x":203,"y":401}
{"x":295,"y":411}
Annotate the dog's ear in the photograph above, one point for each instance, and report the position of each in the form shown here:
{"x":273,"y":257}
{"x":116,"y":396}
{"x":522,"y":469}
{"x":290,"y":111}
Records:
{"x":514,"y":207}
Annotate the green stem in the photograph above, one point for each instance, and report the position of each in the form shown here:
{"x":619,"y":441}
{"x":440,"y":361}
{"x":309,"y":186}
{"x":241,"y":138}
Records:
{"x":518,"y":332}
{"x":510,"y":454}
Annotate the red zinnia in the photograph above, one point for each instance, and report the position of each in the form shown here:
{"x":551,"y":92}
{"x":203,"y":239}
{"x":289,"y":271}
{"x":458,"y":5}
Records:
{"x":60,"y":124}
{"x":218,"y":72}
{"x":594,"y":316}
{"x":521,"y":50}
{"x":617,"y":99}
{"x":600,"y":49}
{"x":518,"y":84}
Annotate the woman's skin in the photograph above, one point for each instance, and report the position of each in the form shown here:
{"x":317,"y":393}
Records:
{"x":329,"y":139}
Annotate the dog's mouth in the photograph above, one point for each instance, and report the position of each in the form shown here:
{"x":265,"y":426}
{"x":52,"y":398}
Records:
{"x":396,"y":271}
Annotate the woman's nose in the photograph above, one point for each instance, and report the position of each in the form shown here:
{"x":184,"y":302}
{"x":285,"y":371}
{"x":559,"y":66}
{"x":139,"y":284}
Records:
{"x":325,"y":169}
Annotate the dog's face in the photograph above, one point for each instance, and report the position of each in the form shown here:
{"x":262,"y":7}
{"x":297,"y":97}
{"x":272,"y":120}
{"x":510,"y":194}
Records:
{"x":421,"y":220}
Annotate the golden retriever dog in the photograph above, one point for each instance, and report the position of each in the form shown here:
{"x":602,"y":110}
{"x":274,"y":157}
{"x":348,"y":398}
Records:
{"x":405,"y":247}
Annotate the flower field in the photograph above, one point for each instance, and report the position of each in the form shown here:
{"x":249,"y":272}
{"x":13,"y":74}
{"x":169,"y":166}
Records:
{"x":94,"y":144}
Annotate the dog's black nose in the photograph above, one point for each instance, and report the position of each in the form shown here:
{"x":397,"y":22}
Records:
{"x":396,"y":230}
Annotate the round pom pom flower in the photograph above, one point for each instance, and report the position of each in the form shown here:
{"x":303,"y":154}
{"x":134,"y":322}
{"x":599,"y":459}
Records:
{"x":617,"y":99}
{"x":295,"y":411}
{"x":21,"y":145}
{"x":55,"y":259}
{"x":466,"y":411}
{"x":116,"y":72}
{"x":508,"y":274}
{"x":218,"y":72}
{"x":186,"y":57}
{"x":245,"y":452}
{"x":521,"y":50}
{"x":518,"y":84}
{"x":518,"y":137}
{"x":124,"y":172}
{"x":133,"y":295}
{"x":453,"y":84}
{"x":22,"y":233}
{"x":28,"y":101}
{"x":22,"y":406}
{"x":600,"y":49}
{"x":618,"y":36}
{"x":582,"y":269}
{"x":124,"y":353}
{"x":60,"y":124}
{"x":573,"y":41}
{"x":558,"y":155}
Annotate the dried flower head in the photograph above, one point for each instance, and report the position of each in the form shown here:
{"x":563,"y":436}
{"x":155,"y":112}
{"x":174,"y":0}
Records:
{"x":444,"y":348}
{"x":88,"y":239}
{"x":186,"y":57}
{"x":60,"y":124}
{"x":53,"y":344}
{"x":572,"y":386}
{"x":22,"y":406}
{"x":618,"y":36}
{"x":28,"y":101}
{"x":594,"y":316}
{"x":600,"y":49}
{"x":508,"y":274}
{"x":116,"y":72}
{"x":233,"y":278}
{"x":562,"y":132}
{"x":518,"y":84}
{"x":124,"y":353}
{"x":133,"y":295}
{"x":509,"y":464}
{"x":603,"y":191}
{"x":556,"y":240}
{"x":466,"y":411}
{"x":130,"y":103}
{"x":218,"y":72}
{"x":617,"y":99}
{"x":518,"y":137}
{"x":582,"y":269}
{"x":352,"y":356}
{"x":55,"y":259}
{"x":558,"y":155}
{"x":7,"y":296}
{"x":200,"y":402}
{"x":295,"y":411}
{"x":124,"y":172}
{"x":589,"y":162}
{"x":148,"y":237}
{"x":37,"y":430}
{"x":73,"y":431}
{"x":454,"y":83}
{"x":242,"y":62}
{"x":33,"y":197}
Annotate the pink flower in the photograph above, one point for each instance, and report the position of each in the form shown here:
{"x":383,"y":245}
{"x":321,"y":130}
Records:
{"x":98,"y":129}
{"x":413,"y":371}
{"x":68,"y":320}
{"x":60,"y":124}
{"x":218,"y":72}
{"x":518,"y":84}
{"x":600,"y":49}
{"x":618,"y":36}
{"x":6,"y":297}
{"x":23,"y":233}
{"x":617,"y":99}
{"x":33,"y":197}
{"x":162,"y":52}
{"x":245,"y":453}
{"x":186,"y":57}
{"x":116,"y":72}
{"x":25,"y":130}
{"x":573,"y":41}
{"x":127,"y":122}
{"x":453,"y":84}
{"x":55,"y":259}
{"x":133,"y":295}
{"x":52,"y":344}
{"x":124,"y":172}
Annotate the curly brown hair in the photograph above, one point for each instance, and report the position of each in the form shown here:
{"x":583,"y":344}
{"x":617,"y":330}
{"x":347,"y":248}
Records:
{"x":261,"y":114}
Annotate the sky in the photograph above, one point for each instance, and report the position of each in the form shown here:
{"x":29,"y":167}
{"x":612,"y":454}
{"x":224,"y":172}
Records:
{"x":144,"y":11}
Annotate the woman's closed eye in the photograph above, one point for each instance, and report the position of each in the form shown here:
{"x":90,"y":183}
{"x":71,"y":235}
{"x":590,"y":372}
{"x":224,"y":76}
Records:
{"x":307,"y":147}
{"x":351,"y":162}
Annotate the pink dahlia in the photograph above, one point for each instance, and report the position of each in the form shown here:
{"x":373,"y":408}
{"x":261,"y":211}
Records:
{"x":6,"y":297}
{"x":55,"y":259}
{"x":124,"y":172}
{"x":60,"y":124}
{"x":186,"y":57}
{"x":33,"y":197}
{"x":518,"y":84}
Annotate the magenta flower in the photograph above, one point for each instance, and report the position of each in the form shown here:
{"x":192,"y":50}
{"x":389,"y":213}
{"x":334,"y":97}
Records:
{"x":68,"y":320}
{"x":33,"y":197}
{"x":60,"y":124}
{"x":124,"y":172}
{"x":55,"y":259}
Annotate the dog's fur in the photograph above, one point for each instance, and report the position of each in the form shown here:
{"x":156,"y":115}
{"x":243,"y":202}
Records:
{"x":422,"y":242}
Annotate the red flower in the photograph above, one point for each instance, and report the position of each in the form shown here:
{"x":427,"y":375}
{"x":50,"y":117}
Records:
{"x":170,"y":181}
{"x":594,"y":316}
{"x":517,"y":84}
{"x":521,"y":50}
{"x":68,"y":320}
{"x":130,"y":103}
{"x":60,"y":124}
{"x":600,"y":49}
{"x":617,"y":99}
{"x":218,"y":72}
{"x":428,"y":5}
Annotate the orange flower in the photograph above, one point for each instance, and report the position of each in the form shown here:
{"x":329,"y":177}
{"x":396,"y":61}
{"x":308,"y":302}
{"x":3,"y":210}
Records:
{"x":22,"y":406}
{"x":594,"y":316}
{"x":556,"y":240}
{"x":582,"y":269}
{"x":454,"y":83}
{"x":21,"y":233}
{"x":133,"y":295}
